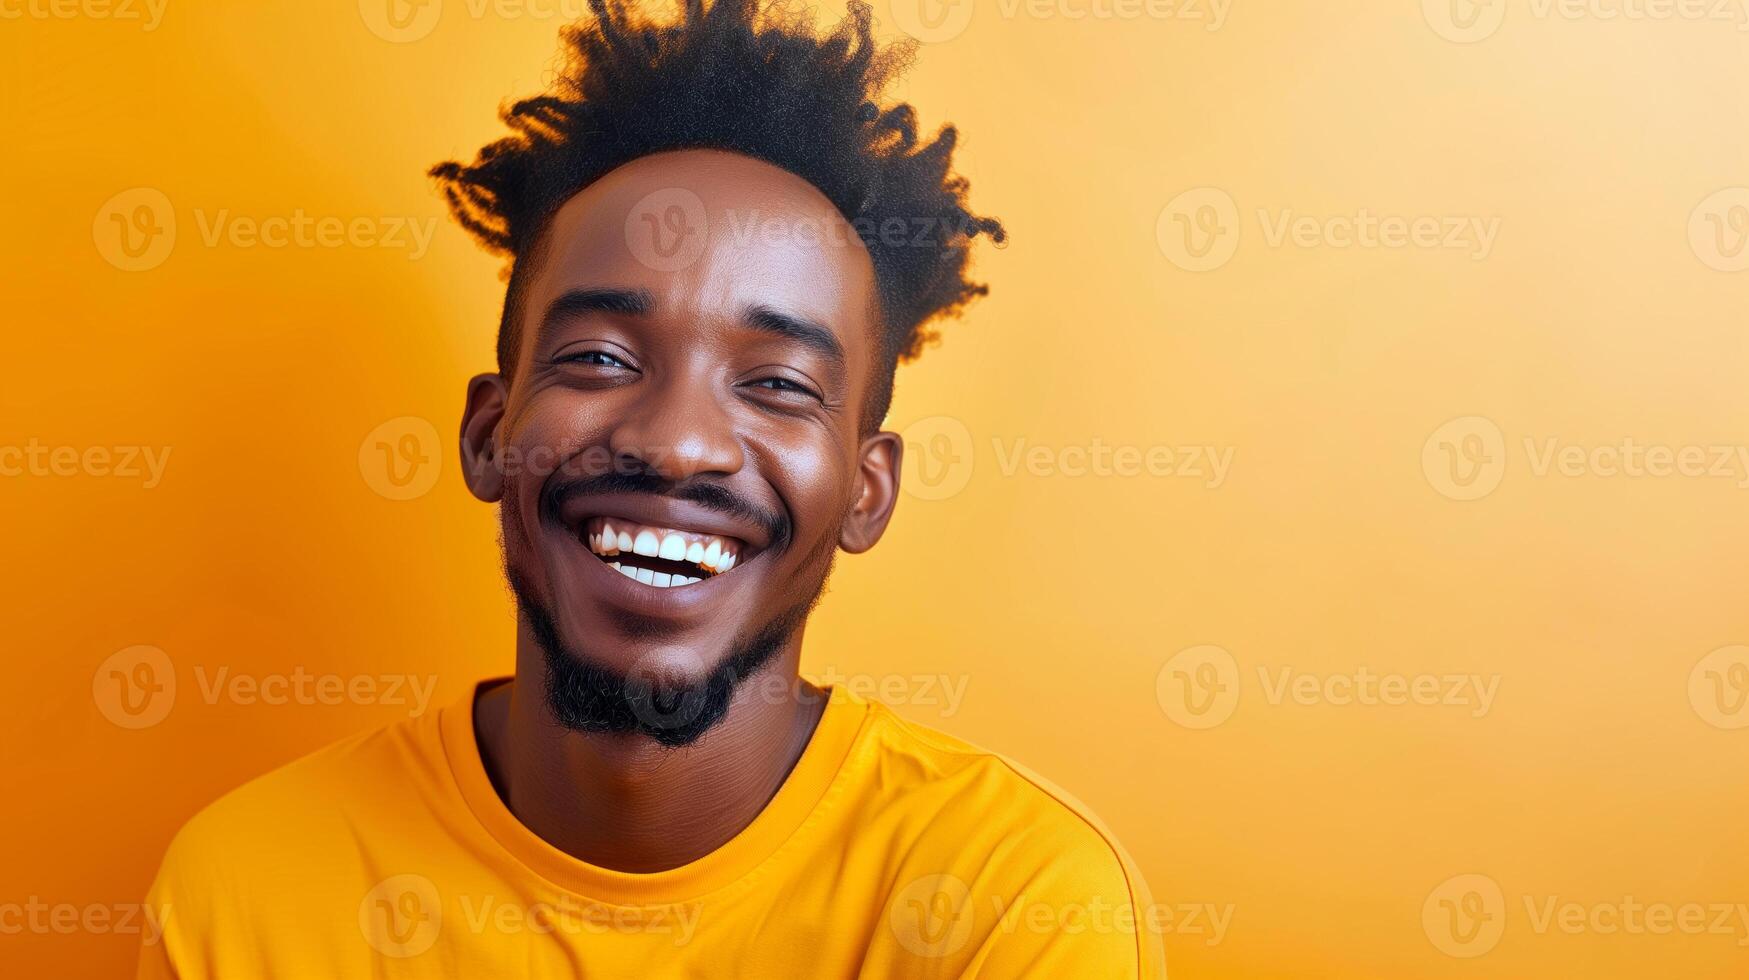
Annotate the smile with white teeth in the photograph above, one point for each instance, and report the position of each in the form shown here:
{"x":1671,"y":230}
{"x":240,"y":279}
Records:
{"x":659,"y":556}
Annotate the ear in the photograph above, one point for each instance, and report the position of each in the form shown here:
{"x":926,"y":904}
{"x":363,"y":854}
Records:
{"x":877,"y":492}
{"x":487,"y":394}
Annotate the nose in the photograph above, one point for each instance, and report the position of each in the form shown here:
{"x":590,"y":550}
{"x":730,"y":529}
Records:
{"x":676,"y":430}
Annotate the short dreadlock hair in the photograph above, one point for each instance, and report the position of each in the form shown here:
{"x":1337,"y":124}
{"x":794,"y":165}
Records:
{"x":756,"y":81}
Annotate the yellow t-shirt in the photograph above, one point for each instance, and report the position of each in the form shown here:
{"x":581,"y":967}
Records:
{"x":890,"y":851}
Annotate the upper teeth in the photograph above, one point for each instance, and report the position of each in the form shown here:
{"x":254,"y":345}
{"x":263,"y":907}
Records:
{"x":713,"y":554}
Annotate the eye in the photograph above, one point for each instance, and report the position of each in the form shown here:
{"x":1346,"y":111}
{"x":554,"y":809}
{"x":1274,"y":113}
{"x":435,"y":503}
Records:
{"x":785,"y":389}
{"x":598,"y":358}
{"x":781,"y":384}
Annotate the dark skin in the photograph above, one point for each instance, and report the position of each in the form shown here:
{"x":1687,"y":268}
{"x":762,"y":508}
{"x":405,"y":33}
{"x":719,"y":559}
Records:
{"x":747,"y":368}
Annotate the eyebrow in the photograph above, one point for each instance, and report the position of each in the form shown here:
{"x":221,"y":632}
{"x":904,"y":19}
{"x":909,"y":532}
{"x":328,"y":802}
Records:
{"x":806,"y":332}
{"x":579,"y":302}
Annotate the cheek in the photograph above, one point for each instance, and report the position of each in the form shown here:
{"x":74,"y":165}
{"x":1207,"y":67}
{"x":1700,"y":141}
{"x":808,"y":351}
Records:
{"x":547,"y":431}
{"x":550,"y":430}
{"x":814,"y":479}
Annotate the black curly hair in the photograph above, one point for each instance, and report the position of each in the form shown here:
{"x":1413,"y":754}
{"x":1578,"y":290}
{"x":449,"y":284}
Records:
{"x":758,"y":81}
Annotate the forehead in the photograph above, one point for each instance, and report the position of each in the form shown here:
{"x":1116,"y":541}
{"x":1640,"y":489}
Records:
{"x":711,"y":234}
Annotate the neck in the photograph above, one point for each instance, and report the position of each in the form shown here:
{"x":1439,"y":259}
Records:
{"x":625,"y":802}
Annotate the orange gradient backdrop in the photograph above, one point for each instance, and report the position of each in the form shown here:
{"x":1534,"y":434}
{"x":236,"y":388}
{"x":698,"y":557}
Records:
{"x":1289,"y":240}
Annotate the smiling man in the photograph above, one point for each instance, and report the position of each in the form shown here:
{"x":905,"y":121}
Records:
{"x":722,"y":243}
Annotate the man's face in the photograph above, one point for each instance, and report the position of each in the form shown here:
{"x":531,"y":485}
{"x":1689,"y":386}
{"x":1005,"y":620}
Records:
{"x":697,"y":339}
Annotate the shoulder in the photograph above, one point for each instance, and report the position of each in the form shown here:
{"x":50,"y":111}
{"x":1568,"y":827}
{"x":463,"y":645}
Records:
{"x":1032,"y":873}
{"x":276,"y":823}
{"x":248,"y":879}
{"x":967,"y":787}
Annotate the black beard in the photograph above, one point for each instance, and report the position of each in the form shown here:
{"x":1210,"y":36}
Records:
{"x":585,"y":696}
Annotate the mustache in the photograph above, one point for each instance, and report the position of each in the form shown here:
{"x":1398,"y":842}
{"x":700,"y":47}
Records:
{"x":711,"y":496}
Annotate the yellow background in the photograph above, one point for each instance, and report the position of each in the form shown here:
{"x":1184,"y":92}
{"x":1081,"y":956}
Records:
{"x":1055,"y":599}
